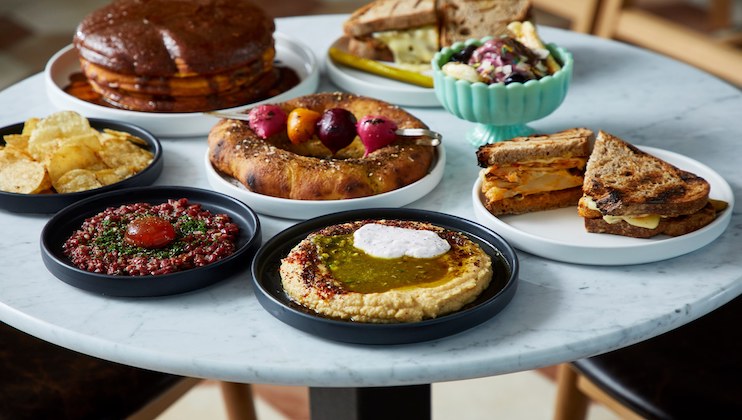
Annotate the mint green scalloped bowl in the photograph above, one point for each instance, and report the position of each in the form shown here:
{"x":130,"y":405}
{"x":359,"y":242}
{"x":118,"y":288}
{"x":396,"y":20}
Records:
{"x":500,"y":111}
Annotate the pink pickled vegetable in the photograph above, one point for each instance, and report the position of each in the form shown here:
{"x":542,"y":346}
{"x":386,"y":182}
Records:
{"x":506,"y":60}
{"x":376,"y":132}
{"x":267,"y":120}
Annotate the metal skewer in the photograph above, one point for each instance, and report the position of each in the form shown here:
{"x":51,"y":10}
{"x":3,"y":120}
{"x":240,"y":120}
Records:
{"x":421,"y":136}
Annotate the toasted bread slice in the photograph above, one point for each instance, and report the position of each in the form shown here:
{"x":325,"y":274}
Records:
{"x":464,"y":19}
{"x":369,"y":47}
{"x":534,"y":202}
{"x":623,"y":181}
{"x":672,"y":226}
{"x":574,"y":142}
{"x":388,"y":15}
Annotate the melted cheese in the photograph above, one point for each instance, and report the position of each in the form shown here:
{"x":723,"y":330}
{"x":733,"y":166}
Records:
{"x":647,"y":221}
{"x":532,"y":177}
{"x":413,"y":46}
{"x":384,"y":241}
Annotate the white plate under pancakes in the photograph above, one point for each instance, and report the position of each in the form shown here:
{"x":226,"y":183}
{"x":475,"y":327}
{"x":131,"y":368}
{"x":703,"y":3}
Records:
{"x":289,"y":52}
{"x":560,"y":234}
{"x":307,"y":209}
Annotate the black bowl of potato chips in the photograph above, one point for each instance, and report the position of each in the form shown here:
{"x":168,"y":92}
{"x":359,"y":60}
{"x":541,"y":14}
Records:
{"x":49,"y":163}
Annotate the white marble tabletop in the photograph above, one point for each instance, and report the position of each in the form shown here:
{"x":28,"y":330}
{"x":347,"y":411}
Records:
{"x":560,"y":312}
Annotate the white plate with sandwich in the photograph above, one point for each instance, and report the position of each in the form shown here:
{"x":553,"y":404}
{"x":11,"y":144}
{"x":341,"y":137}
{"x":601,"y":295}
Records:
{"x":406,"y":35}
{"x":560,"y":234}
{"x":368,"y":84}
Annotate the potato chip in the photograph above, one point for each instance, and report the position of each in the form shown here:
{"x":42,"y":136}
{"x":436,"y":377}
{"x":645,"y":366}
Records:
{"x":11,"y":154}
{"x":49,"y":132}
{"x":72,"y":156}
{"x":113,"y":175}
{"x":29,"y":126}
{"x":77,"y":180}
{"x":16,"y":141}
{"x":124,"y":135}
{"x":116,"y":152}
{"x":24,"y":176}
{"x":90,"y":140}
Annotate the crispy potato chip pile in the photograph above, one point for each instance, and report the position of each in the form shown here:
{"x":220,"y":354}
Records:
{"x":62,"y":153}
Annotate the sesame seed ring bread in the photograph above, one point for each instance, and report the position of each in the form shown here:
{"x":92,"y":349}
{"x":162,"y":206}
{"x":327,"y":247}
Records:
{"x":308,"y":171}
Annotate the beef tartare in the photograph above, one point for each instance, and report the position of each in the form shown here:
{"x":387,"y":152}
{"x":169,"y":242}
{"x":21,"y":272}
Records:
{"x":144,"y":239}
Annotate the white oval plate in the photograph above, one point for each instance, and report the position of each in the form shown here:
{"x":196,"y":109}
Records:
{"x":367,"y":84}
{"x":307,"y":209}
{"x":289,"y":52}
{"x":560,"y":234}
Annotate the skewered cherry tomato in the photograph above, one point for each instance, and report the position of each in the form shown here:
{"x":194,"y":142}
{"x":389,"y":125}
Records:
{"x":301,"y":124}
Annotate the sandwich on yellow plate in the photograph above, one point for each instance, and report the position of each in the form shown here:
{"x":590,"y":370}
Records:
{"x":534,"y":173}
{"x":410,"y":32}
{"x":632,"y":193}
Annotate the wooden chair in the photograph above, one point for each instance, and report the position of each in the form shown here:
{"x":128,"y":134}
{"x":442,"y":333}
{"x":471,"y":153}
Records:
{"x":580,"y":13}
{"x":692,"y":372}
{"x":39,"y":380}
{"x":622,"y":20}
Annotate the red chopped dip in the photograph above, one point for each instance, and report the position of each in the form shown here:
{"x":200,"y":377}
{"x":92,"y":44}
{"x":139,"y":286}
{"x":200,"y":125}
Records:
{"x":201,"y":238}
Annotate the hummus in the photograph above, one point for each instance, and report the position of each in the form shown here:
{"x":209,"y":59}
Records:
{"x":329,"y":274}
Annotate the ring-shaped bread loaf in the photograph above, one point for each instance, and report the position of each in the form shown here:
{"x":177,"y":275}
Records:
{"x":308,"y":171}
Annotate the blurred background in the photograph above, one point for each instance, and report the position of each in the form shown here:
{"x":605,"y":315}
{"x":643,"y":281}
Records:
{"x":32,"y":30}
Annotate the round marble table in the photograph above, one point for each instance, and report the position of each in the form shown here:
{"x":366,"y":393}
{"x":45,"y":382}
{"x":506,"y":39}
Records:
{"x":561,"y":311}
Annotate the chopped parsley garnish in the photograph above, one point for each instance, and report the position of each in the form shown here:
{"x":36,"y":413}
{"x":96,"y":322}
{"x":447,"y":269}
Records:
{"x":188,"y":231}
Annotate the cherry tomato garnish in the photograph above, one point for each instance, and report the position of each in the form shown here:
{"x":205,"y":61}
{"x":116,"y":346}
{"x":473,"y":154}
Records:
{"x":301,"y":124}
{"x":149,"y":232}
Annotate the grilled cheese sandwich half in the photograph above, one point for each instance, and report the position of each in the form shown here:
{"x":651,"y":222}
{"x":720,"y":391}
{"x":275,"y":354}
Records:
{"x":534,"y":173}
{"x":532,"y":177}
{"x":629,"y":192}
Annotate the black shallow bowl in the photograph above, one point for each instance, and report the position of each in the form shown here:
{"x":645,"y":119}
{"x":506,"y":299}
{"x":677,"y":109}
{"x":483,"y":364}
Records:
{"x":69,"y":219}
{"x":51,"y":203}
{"x":270,"y":293}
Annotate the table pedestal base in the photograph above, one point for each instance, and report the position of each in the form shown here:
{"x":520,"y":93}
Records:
{"x":404,"y":402}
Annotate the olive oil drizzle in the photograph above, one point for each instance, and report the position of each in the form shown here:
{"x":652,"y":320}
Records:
{"x":362,"y":273}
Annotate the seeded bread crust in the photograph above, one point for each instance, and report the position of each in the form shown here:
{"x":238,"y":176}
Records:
{"x":534,"y":202}
{"x":462,"y":19}
{"x":674,"y":226}
{"x":623,"y":180}
{"x":574,"y":142}
{"x":387,"y":15}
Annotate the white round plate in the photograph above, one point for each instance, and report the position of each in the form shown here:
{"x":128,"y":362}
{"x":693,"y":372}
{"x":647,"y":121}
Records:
{"x":307,"y":209}
{"x":289,"y":52}
{"x":392,"y":91}
{"x":560,"y":234}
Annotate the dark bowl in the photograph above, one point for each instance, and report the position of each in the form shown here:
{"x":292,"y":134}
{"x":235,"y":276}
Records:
{"x":270,"y":293}
{"x":69,"y":219}
{"x":51,"y":203}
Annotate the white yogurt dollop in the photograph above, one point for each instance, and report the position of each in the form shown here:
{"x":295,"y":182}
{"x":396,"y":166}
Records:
{"x":383,"y":241}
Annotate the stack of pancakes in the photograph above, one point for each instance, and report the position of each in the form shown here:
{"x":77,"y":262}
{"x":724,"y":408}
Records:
{"x":178,"y":55}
